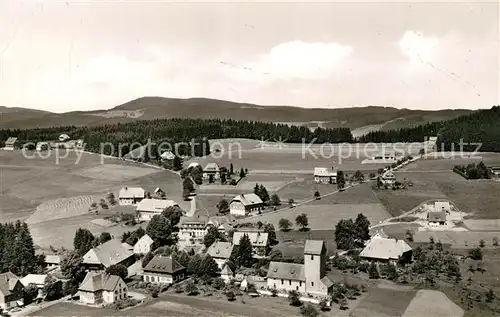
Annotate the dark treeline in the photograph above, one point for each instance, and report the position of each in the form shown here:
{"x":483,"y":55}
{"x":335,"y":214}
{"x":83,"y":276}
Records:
{"x":414,"y":134}
{"x":481,"y":126}
{"x":176,"y":131}
{"x":17,"y":251}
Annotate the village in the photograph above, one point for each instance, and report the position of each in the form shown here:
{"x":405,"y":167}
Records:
{"x":176,"y":247}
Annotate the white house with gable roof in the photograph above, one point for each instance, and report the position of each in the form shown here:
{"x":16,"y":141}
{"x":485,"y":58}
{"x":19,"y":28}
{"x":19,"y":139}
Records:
{"x":149,"y":207}
{"x":244,"y":204}
{"x":323,"y":176}
{"x":386,"y":250}
{"x":131,"y":195}
{"x":101,"y":288}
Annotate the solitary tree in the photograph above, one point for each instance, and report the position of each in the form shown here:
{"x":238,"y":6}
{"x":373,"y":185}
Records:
{"x":285,"y":224}
{"x":111,"y":199}
{"x":159,"y":229}
{"x":231,"y":169}
{"x":362,"y":227}
{"x":104,"y":237}
{"x":212,"y":235}
{"x":359,"y":177}
{"x":291,"y":202}
{"x":223,"y":206}
{"x":373,"y":271}
{"x":244,"y":252}
{"x":340,"y":180}
{"x":187,"y":187}
{"x":275,"y":200}
{"x":302,"y":221}
{"x":317,"y":195}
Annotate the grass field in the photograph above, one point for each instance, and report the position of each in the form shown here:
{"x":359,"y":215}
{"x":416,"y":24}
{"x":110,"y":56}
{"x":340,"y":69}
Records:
{"x":60,"y":232}
{"x":324,"y":214}
{"x":432,"y":303}
{"x":292,"y":242}
{"x":54,"y":195}
{"x":385,"y":302}
{"x":491,"y":263}
{"x":246,"y":185}
{"x":475,"y":197}
{"x":295,"y":158}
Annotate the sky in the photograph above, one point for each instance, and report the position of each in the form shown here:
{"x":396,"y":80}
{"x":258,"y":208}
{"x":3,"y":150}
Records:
{"x":85,"y":55}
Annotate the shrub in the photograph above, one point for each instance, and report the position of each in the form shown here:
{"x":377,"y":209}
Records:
{"x":230,"y":296}
{"x":274,"y":292}
{"x":294,"y":298}
{"x":323,"y":305}
{"x":191,"y":289}
{"x":178,"y":288}
{"x":309,"y":311}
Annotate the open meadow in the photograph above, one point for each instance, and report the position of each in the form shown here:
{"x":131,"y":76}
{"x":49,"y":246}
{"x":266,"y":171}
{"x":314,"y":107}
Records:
{"x":434,"y":179}
{"x":56,"y":193}
{"x":301,"y":159}
{"x":324,"y":214}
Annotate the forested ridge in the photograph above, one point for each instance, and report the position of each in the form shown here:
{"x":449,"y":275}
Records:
{"x":179,"y":131}
{"x":482,"y":126}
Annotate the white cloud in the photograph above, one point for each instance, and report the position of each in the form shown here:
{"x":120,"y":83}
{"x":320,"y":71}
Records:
{"x":304,"y":60}
{"x":418,"y":48}
{"x":291,"y":60}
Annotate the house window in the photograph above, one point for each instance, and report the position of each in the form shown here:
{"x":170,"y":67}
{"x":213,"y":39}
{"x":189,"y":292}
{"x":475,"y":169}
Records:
{"x":297,"y":288}
{"x":281,"y":282}
{"x":312,"y":283}
{"x":289,"y":282}
{"x":300,"y":283}
{"x":312,"y":257}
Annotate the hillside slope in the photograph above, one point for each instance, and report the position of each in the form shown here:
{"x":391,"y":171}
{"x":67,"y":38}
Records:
{"x":147,"y":108}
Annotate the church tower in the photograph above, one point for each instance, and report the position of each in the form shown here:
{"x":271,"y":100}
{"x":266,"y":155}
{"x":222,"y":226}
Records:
{"x":314,"y":265}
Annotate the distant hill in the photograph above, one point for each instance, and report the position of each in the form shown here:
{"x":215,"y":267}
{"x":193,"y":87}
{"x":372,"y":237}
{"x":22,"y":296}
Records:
{"x":362,"y":119}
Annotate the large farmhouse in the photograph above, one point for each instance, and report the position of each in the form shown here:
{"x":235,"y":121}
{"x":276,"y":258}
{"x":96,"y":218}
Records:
{"x":102,"y":288}
{"x":220,"y":252}
{"x":244,"y":204}
{"x":259,"y":241}
{"x":149,"y":207}
{"x":163,"y":270}
{"x":309,"y":277}
{"x":385,"y":250}
{"x":107,"y":254}
{"x":323,"y":176}
{"x":193,"y":228}
{"x":131,"y":195}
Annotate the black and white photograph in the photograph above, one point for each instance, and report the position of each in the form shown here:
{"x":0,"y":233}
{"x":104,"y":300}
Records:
{"x":250,"y":158}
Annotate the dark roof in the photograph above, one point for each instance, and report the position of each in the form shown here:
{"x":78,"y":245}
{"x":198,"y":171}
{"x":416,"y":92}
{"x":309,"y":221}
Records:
{"x":163,"y":264}
{"x":436,"y":216}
